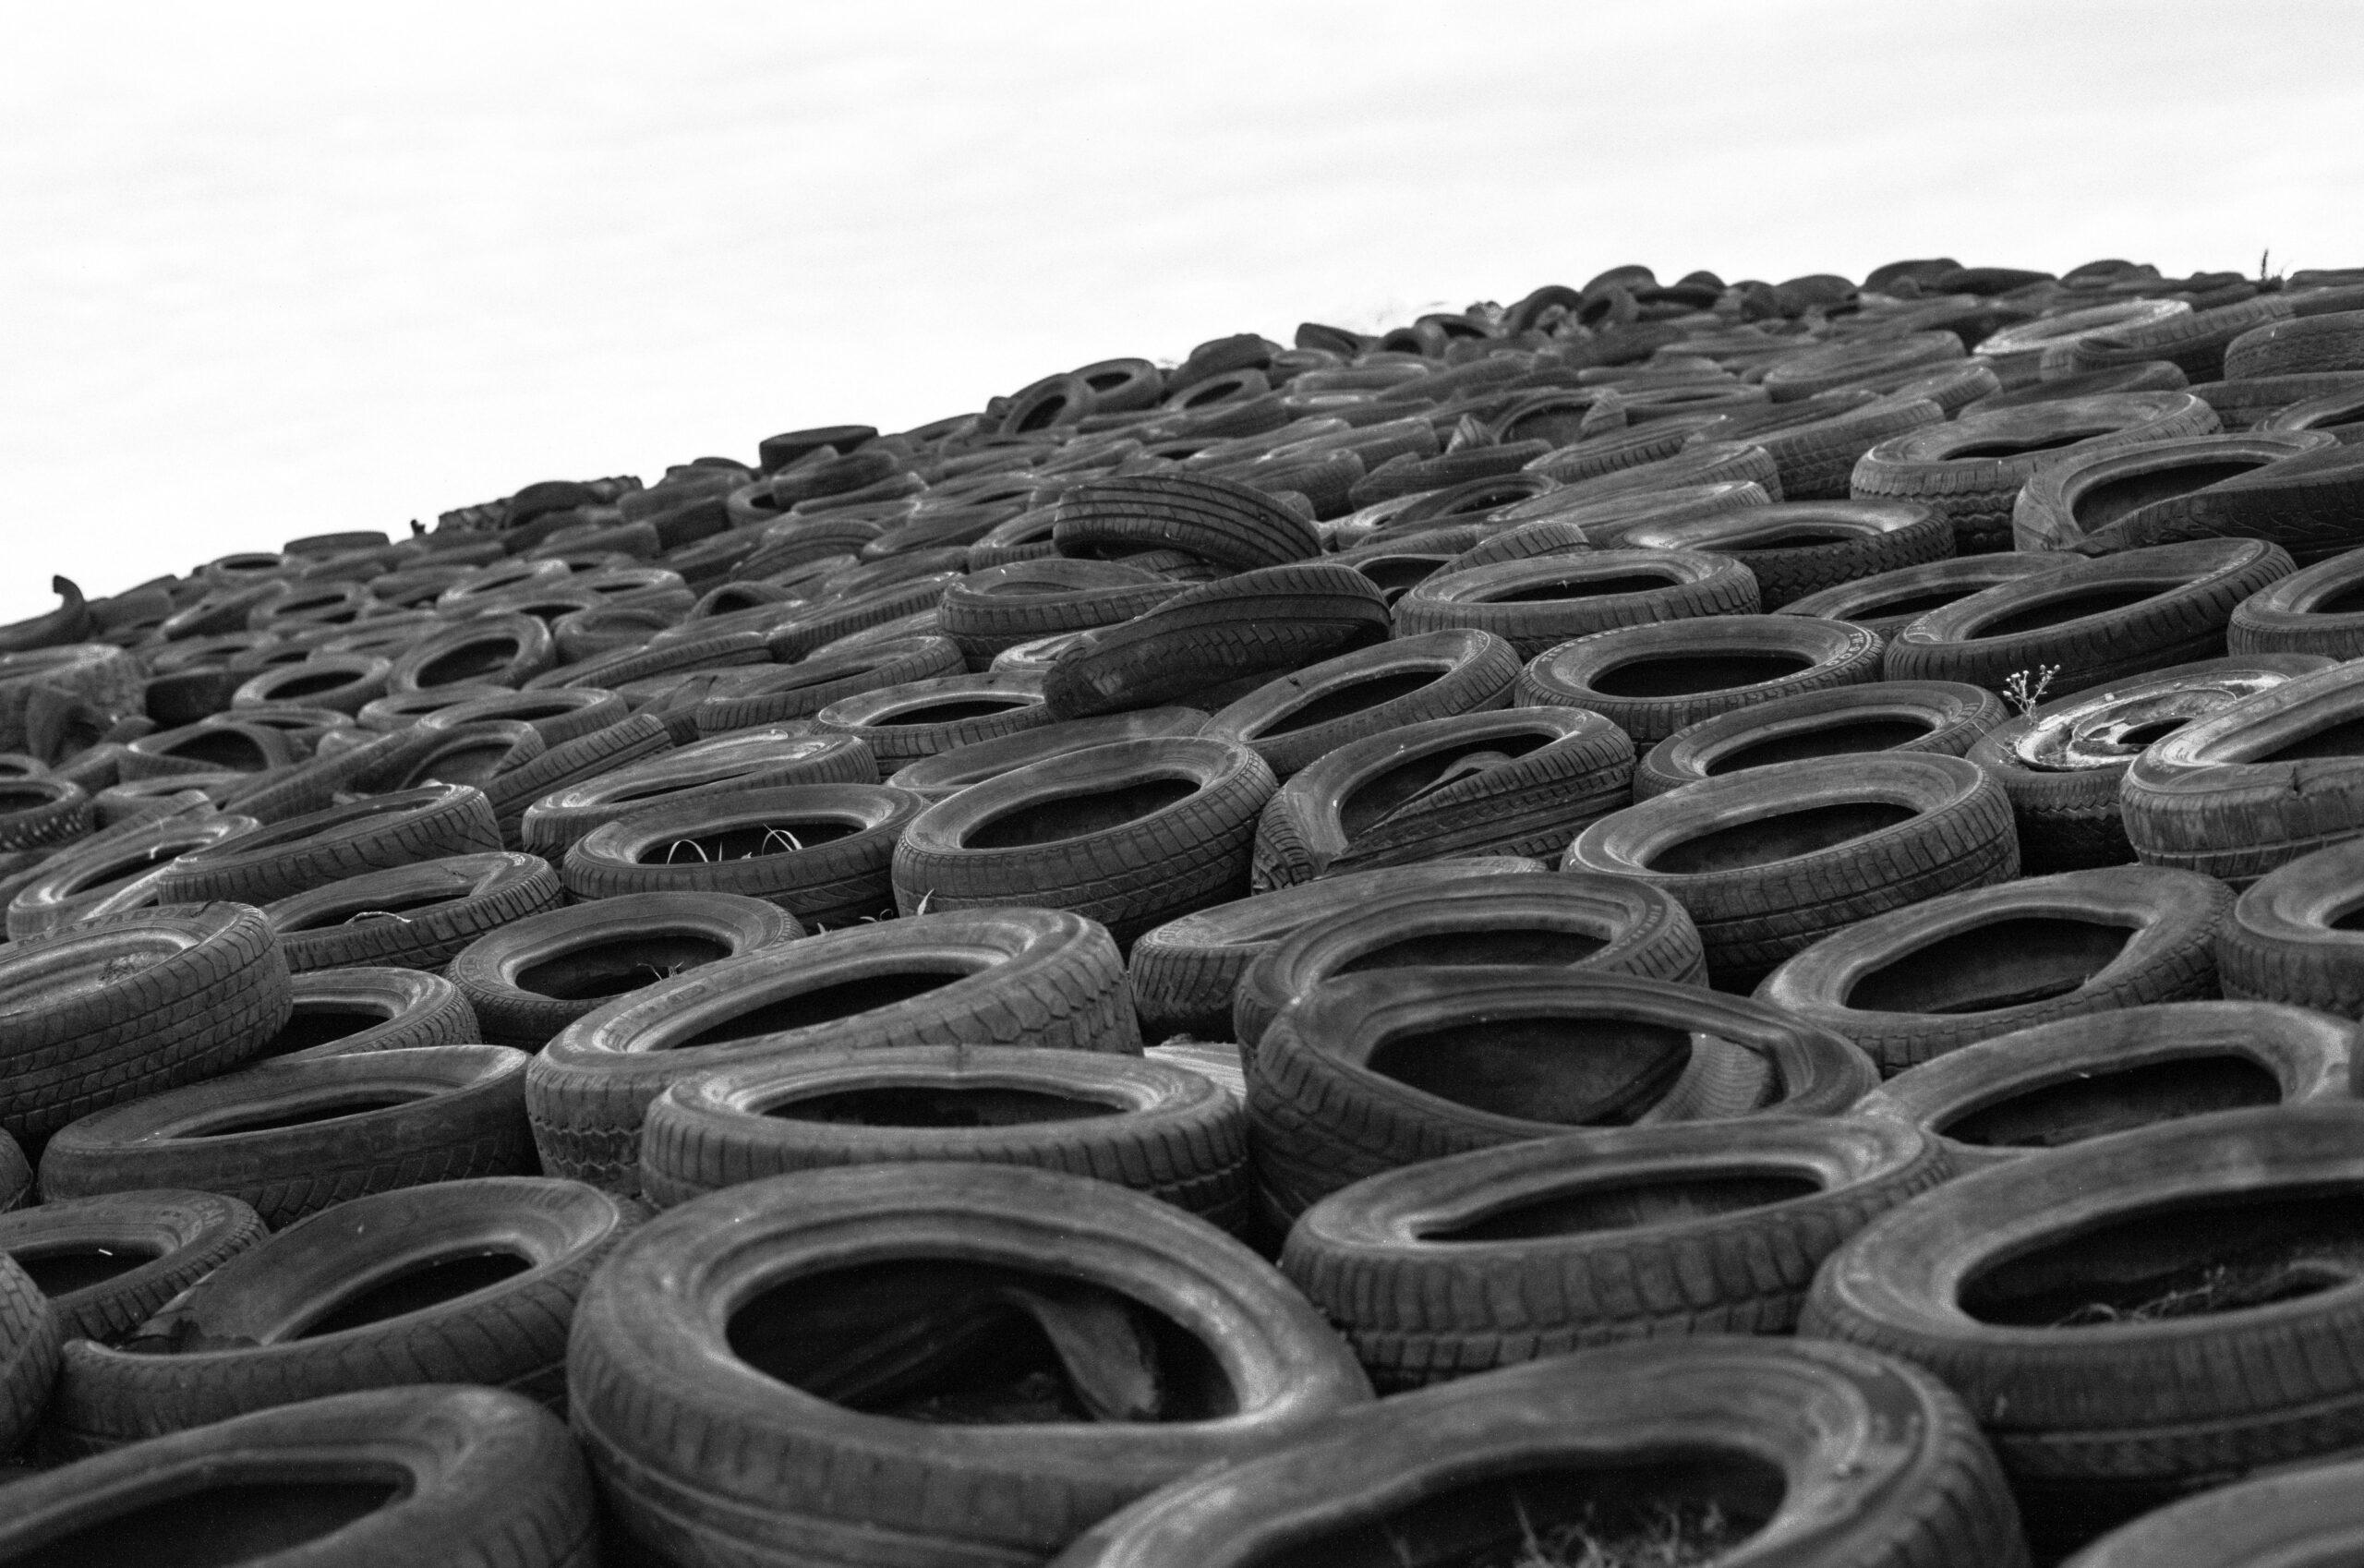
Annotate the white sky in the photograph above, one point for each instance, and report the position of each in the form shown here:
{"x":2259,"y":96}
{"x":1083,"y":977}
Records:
{"x":272,"y":269}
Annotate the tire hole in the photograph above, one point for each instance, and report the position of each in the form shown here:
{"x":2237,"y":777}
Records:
{"x":1345,"y":700}
{"x":430,"y":1284}
{"x":1072,"y":816}
{"x":218,"y":1526}
{"x":62,"y":1269}
{"x":2004,"y":963}
{"x":1580,"y":1071}
{"x":824,"y":1004}
{"x":1779,"y":836}
{"x":938,"y":1105}
{"x":2051,"y":1114}
{"x":1459,"y":950}
{"x":1828,"y":740}
{"x":1655,"y":1200}
{"x":318,"y":1111}
{"x":2100,"y":600}
{"x":1679,"y":675}
{"x":611,"y":969}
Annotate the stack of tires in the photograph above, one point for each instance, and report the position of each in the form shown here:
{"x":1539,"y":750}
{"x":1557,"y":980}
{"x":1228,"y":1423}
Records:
{"x":1676,"y":922}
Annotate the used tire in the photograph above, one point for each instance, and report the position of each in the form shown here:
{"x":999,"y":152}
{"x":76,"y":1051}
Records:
{"x":2313,"y":610}
{"x":343,"y":1011}
{"x":1799,"y":548}
{"x":377,"y":1479}
{"x":2096,"y":623}
{"x":1157,"y":1128}
{"x":1477,"y":1260}
{"x":1652,"y":681}
{"x":1892,"y":601}
{"x":528,"y":980}
{"x":2063,"y":762}
{"x":1923,"y":980}
{"x":1854,"y":1458}
{"x":1541,"y":602}
{"x":1130,"y":834}
{"x":29,"y":1352}
{"x":373,"y":834}
{"x":2084,"y":496}
{"x":946,"y":774}
{"x":1374,"y":1071}
{"x":117,"y":871}
{"x":2288,"y":939}
{"x":1941,"y":717}
{"x":1003,"y":977}
{"x":1305,"y":715}
{"x":1232,"y":525}
{"x":2309,"y":503}
{"x":1771,"y":860}
{"x":462,"y":1283}
{"x":292,"y":1138}
{"x":743,"y":699}
{"x":411,"y":916}
{"x":808,"y":1261}
{"x":2301,"y":1516}
{"x":108,"y":1263}
{"x":1520,"y":781}
{"x":706,"y":770}
{"x":1612,"y":924}
{"x":2055,"y":1084}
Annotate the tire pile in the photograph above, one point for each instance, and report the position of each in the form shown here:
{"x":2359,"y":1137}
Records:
{"x":1681,"y":922}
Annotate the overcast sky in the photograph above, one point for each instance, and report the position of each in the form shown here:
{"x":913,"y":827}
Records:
{"x":271,"y":271}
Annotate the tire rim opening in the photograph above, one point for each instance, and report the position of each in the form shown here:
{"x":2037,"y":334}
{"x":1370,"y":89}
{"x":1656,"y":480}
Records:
{"x":611,"y":969}
{"x":824,"y":1004}
{"x":224,"y":1522}
{"x":431,"y":1283}
{"x":2051,"y":1114}
{"x":1073,"y":816}
{"x":2002,"y":963}
{"x":1781,"y":837}
{"x":948,"y":1105}
{"x":1494,"y":944}
{"x":1576,"y":1071}
{"x":1344,"y":701}
{"x":1682,"y":675}
{"x":1828,"y":740}
{"x":61,"y":1268}
{"x":1672,"y":1197}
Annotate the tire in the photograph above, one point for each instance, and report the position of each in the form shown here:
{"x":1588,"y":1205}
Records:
{"x":746,"y":698}
{"x":560,"y":714}
{"x":2304,"y":345}
{"x":841,"y":615}
{"x":1706,"y":1229}
{"x":755,"y":839}
{"x":646,"y":658}
{"x":2287,"y":938}
{"x":1231,"y":524}
{"x":339,"y":1011}
{"x":2301,"y":1515}
{"x":2017,"y":351}
{"x":1185,"y":972}
{"x":1967,"y":966}
{"x":2294,"y":787}
{"x":107,"y":1263}
{"x":411,"y":916}
{"x":498,"y":650}
{"x":1156,"y":1128}
{"x":2083,"y":496}
{"x":2194,"y":343}
{"x":1486,"y":1060}
{"x":2308,"y":503}
{"x":586,"y":756}
{"x":107,"y":678}
{"x":47,"y":814}
{"x":813,"y":1476}
{"x":2251,"y":405}
{"x":373,"y":834}
{"x":1874,"y":1462}
{"x":1257,"y":623}
{"x":1303,"y":717}
{"x":467,"y":1477}
{"x":1801,"y":547}
{"x":1971,"y":469}
{"x":1944,"y":717}
{"x":1131,"y":835}
{"x":1565,"y":530}
{"x":28,"y":1356}
{"x":116,"y":870}
{"x":1812,"y":371}
{"x":2054,"y":1085}
{"x":713,"y":770}
{"x":1613,"y":925}
{"x":1869,"y":835}
{"x":1520,"y":781}
{"x":2063,"y":763}
{"x":130,"y":1006}
{"x":1035,"y":977}
{"x":1652,"y":681}
{"x":210,"y":745}
{"x":2094,"y":623}
{"x":424,"y":1115}
{"x":342,"y":681}
{"x":901,"y":724}
{"x":319,"y":1308}
{"x":2307,"y":612}
{"x":1003,"y":606}
{"x":2149,"y":375}
{"x":1541,"y":602}
{"x":946,"y":774}
{"x":1892,"y":601}
{"x":1816,"y":460}
{"x":2112,"y":1412}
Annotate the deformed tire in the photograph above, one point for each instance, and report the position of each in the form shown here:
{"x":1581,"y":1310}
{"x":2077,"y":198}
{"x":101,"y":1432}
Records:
{"x":901,"y":724}
{"x":108,"y":1263}
{"x":946,"y":774}
{"x":2065,"y":503}
{"x":1000,"y":977}
{"x":383,"y":1478}
{"x":1940,"y":716}
{"x":343,"y":1011}
{"x":1157,"y":1128}
{"x":461,"y":1283}
{"x":1130,"y":834}
{"x":1612,"y":924}
{"x":1923,"y":980}
{"x":1771,"y":860}
{"x":812,"y":1264}
{"x":1641,"y":1233}
{"x":372,"y":834}
{"x":293,"y":1138}
{"x":1892,"y":601}
{"x":1185,"y":972}
{"x":2059,"y":1083}
{"x":119,"y":871}
{"x":706,"y":770}
{"x":1800,"y":548}
{"x":1231,"y":524}
{"x":1306,"y":714}
{"x":1850,"y":1457}
{"x":1542,"y":601}
{"x":530,"y":979}
{"x":1652,"y":681}
{"x":1520,"y":781}
{"x":411,"y":916}
{"x":2062,"y":763}
{"x":1373,"y":1071}
{"x":2097,"y":621}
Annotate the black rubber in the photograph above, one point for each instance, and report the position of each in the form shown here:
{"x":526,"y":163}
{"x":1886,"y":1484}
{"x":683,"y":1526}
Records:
{"x":1941,"y":717}
{"x":340,"y":1010}
{"x":2313,"y":610}
{"x":2088,"y":495}
{"x":107,"y":1262}
{"x":707,"y":770}
{"x":743,"y":699}
{"x":1373,"y":1071}
{"x":372,"y":834}
{"x":1302,"y":717}
{"x":28,"y":1356}
{"x":1771,"y":860}
{"x":411,"y":916}
{"x":113,"y":872}
{"x":292,"y":1138}
{"x":1800,"y":548}
{"x":1539,"y":602}
{"x":664,"y":1377}
{"x":1228,"y":524}
{"x":1652,"y":681}
{"x":1892,"y":601}
{"x":1010,"y":976}
{"x":387,"y":1290}
{"x":1923,"y":980}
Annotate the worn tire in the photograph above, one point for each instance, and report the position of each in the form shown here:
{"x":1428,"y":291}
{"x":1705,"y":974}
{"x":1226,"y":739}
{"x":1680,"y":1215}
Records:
{"x":1652,"y":681}
{"x":2084,"y":496}
{"x":1892,"y":601}
{"x":1303,"y":715}
{"x":343,"y":1011}
{"x":411,"y":916}
{"x":1543,"y":601}
{"x":108,"y":1263}
{"x":1941,"y":717}
{"x":373,"y":834}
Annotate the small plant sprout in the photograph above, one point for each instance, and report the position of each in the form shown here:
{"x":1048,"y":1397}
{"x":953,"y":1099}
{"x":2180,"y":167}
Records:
{"x":2024,"y":694}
